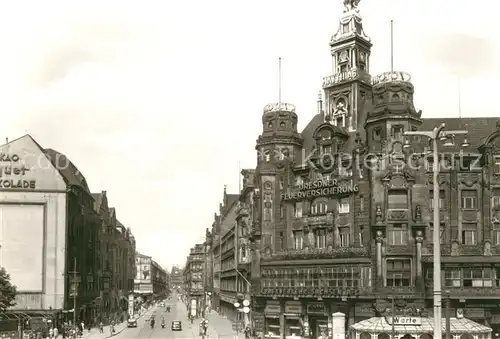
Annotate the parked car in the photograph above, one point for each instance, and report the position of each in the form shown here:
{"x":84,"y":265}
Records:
{"x":132,"y":323}
{"x":176,"y":325}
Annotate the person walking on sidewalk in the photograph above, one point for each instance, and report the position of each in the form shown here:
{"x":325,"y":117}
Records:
{"x":101,"y":327}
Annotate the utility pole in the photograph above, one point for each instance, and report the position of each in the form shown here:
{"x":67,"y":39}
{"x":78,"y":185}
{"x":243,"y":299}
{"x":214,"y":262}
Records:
{"x":74,"y":289}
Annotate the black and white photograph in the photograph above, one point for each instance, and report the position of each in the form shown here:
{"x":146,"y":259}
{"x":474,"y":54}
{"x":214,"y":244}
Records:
{"x":249,"y":170}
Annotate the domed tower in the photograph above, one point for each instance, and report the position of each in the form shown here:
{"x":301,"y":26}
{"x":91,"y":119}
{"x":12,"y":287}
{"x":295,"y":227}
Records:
{"x":393,"y":112}
{"x":278,"y":148}
{"x":349,"y":88}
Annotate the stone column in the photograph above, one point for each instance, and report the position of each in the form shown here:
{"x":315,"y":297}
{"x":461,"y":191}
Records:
{"x":419,"y":238}
{"x":338,"y":325}
{"x":379,"y":240}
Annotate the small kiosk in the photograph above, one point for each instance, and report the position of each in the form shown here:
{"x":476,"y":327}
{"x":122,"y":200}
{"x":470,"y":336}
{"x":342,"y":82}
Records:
{"x":416,"y":328}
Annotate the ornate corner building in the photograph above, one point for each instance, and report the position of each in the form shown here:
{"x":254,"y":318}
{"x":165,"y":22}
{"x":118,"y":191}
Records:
{"x":341,"y":215}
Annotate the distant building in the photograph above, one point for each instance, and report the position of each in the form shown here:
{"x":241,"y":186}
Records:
{"x":151,"y":279}
{"x":176,"y":278}
{"x":194,"y":277}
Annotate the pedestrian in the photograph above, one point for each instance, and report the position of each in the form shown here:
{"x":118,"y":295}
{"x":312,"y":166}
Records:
{"x":101,"y":327}
{"x":51,"y":333}
{"x":56,"y":332}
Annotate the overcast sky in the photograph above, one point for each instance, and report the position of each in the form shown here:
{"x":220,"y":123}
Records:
{"x":157,"y":101}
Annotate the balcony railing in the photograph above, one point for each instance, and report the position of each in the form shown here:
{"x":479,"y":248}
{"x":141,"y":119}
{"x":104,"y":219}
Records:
{"x":317,"y":292}
{"x":342,"y":252}
{"x":456,"y":249}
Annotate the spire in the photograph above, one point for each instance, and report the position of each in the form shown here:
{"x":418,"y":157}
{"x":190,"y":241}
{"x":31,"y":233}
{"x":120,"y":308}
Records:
{"x":320,"y":102}
{"x":350,"y":23}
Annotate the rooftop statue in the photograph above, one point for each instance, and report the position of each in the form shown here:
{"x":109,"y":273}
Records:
{"x":351,"y":5}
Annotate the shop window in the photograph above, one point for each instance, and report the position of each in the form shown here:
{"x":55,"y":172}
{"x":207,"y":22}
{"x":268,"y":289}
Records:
{"x":397,"y":199}
{"x":292,"y":327}
{"x":452,"y":277}
{"x":469,"y":233}
{"x":320,"y":238}
{"x":344,"y":236}
{"x":343,"y":205}
{"x":273,"y":327}
{"x":469,"y":199}
{"x":398,"y":272}
{"x":441,"y":199}
{"x":477,"y":277}
{"x":398,"y":234}
{"x":298,"y":240}
{"x":441,"y":232}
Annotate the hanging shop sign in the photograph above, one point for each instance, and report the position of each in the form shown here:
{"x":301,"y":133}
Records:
{"x":321,"y":188}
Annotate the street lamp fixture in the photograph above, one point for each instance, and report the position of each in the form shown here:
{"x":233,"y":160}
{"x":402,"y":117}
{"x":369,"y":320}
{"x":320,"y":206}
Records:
{"x":437,"y":134}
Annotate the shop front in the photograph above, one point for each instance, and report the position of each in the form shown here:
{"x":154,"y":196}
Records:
{"x":317,"y":316}
{"x":272,"y":320}
{"x":415,"y":328}
{"x":293,"y":319}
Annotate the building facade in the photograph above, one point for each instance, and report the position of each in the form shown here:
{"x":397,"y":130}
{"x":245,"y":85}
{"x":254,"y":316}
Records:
{"x":344,"y":214}
{"x":66,"y":230}
{"x":151,"y":279}
{"x":176,"y":278}
{"x":223,"y":256}
{"x":194,"y":277}
{"x":338,"y":217}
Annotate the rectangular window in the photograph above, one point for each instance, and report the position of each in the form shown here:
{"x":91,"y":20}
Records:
{"x":299,"y":180}
{"x":326,"y":149}
{"x":497,"y":164}
{"x":441,"y":232}
{"x":495,"y":199}
{"x":397,"y":132}
{"x":469,"y":199}
{"x":298,"y":240}
{"x":469,"y":233}
{"x":398,"y":272}
{"x":398,"y":199}
{"x":477,"y":277}
{"x":298,"y":210}
{"x":441,"y":199}
{"x":344,"y":235}
{"x":282,"y":211}
{"x":280,"y":241}
{"x":320,"y":238}
{"x":398,"y":234}
{"x":343,"y":205}
{"x":496,"y":235}
{"x":361,"y":203}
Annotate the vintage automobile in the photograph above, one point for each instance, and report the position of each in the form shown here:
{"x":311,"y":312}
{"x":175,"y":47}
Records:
{"x":176,"y":325}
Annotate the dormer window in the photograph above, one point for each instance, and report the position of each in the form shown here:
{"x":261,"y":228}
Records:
{"x":270,"y":124}
{"x":282,"y":124}
{"x":377,"y":134}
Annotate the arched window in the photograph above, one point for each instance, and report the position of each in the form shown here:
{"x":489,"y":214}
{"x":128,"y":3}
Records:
{"x":383,"y":336}
{"x":319,"y":206}
{"x":365,"y":335}
{"x":267,"y":155}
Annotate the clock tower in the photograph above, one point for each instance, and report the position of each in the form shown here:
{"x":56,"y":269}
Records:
{"x":348,"y":90}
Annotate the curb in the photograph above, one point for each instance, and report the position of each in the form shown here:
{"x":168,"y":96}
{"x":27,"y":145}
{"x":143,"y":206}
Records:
{"x":123,"y":329}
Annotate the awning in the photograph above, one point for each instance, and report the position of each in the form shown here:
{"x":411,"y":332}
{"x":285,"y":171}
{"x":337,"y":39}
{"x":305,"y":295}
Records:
{"x":457,"y":326}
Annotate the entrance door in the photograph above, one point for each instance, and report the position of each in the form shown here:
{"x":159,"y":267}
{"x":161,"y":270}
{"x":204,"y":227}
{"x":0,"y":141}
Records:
{"x":319,"y":325}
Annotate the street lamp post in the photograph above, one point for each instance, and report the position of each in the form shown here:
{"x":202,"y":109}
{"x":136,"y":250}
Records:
{"x":437,"y":134}
{"x":245,"y":308}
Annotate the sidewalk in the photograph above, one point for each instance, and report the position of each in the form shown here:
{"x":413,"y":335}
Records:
{"x":95,"y":334}
{"x":218,"y":327}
